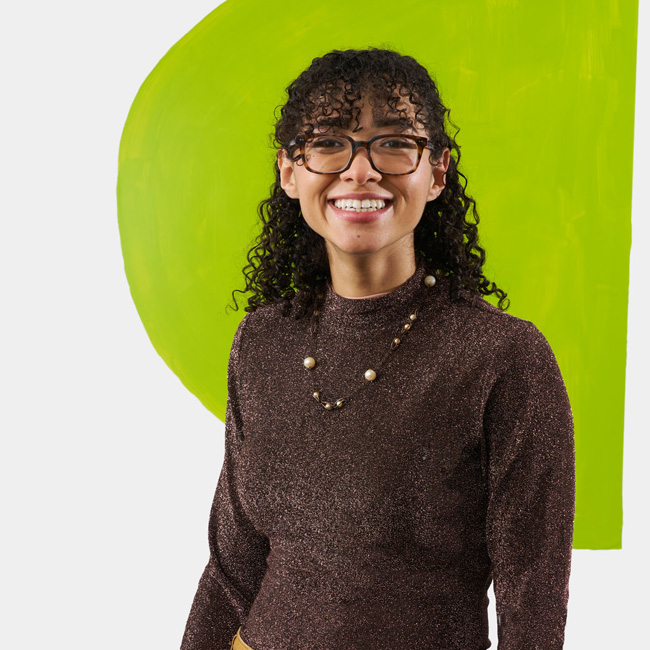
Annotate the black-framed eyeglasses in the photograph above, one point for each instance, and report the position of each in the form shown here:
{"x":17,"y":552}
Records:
{"x":394,"y":154}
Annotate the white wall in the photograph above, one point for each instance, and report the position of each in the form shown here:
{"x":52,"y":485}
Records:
{"x":108,"y":464}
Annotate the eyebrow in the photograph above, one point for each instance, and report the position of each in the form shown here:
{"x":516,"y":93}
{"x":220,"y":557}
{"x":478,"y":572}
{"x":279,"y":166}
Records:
{"x":385,"y":120}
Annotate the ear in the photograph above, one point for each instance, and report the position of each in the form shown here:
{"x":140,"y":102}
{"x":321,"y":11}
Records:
{"x":287,"y":174}
{"x":439,"y":178}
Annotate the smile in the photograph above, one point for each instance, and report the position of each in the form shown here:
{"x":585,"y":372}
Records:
{"x":356,"y":204}
{"x":354,"y":210}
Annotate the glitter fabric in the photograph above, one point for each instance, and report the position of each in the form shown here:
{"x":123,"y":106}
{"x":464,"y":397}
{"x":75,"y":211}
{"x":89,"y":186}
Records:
{"x":380,"y":525}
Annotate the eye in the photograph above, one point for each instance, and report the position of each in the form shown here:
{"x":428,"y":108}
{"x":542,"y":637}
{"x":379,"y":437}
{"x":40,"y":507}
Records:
{"x":328,"y":143}
{"x":398,"y":143}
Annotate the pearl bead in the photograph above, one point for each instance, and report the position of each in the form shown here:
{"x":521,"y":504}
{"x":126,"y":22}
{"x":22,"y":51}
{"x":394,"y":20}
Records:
{"x":370,"y":374}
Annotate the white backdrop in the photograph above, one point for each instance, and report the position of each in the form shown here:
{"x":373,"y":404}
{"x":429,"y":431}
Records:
{"x":108,"y":464}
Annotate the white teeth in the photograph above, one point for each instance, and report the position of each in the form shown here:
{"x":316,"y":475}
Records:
{"x":367,"y":205}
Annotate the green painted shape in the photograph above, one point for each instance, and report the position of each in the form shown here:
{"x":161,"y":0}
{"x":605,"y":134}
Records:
{"x":544,"y":96}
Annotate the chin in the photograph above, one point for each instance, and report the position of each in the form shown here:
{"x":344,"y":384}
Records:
{"x":358,"y":247}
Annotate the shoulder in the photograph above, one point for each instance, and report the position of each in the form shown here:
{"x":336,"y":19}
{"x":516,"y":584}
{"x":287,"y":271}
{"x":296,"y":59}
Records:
{"x":478,"y":325}
{"x":523,"y":355}
{"x":266,"y":324}
{"x":514,"y":330}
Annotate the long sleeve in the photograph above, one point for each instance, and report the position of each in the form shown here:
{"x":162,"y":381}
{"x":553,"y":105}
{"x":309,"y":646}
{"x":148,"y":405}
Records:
{"x":528,"y":424}
{"x":237,"y":561}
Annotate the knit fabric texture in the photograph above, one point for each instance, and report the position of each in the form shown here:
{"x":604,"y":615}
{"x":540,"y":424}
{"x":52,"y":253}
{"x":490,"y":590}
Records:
{"x":380,"y":525}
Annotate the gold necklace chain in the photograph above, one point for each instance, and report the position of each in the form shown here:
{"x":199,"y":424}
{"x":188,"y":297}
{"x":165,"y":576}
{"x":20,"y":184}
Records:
{"x":371,"y":374}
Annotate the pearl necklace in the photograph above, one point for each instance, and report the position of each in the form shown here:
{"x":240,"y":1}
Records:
{"x":370,"y":375}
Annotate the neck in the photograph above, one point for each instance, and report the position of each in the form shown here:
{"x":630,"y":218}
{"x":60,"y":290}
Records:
{"x":355,"y":281}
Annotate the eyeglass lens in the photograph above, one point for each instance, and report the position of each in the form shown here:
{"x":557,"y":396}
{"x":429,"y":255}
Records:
{"x":391,"y":154}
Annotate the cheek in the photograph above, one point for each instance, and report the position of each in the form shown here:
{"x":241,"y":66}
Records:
{"x":421,"y":192}
{"x":415,"y":193}
{"x":313,"y":198}
{"x":310,"y":190}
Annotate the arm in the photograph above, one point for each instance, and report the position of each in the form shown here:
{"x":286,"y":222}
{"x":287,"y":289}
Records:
{"x":528,"y":423}
{"x":237,"y":563}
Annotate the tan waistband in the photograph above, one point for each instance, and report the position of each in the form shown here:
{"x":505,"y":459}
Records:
{"x":237,"y":642}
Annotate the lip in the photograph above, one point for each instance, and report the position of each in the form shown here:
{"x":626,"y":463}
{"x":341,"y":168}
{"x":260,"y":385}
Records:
{"x":360,"y":196}
{"x":358,"y":217}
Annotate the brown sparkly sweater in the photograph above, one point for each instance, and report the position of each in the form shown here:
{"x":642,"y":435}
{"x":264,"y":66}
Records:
{"x":380,"y":525}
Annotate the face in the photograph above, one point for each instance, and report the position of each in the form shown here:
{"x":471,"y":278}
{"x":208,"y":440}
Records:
{"x":388,"y":231}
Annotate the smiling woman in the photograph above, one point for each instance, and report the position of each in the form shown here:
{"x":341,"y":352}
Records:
{"x":366,"y":248}
{"x":398,"y":443}
{"x":377,"y":93}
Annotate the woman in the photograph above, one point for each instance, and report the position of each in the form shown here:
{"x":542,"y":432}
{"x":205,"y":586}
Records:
{"x":394,"y":442}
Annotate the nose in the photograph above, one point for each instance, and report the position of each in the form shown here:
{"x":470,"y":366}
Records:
{"x":360,"y":170}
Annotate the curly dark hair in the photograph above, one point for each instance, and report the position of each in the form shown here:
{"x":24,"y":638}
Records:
{"x":288,"y":263}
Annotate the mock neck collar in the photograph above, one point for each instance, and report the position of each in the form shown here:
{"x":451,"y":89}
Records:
{"x":402,"y":299}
